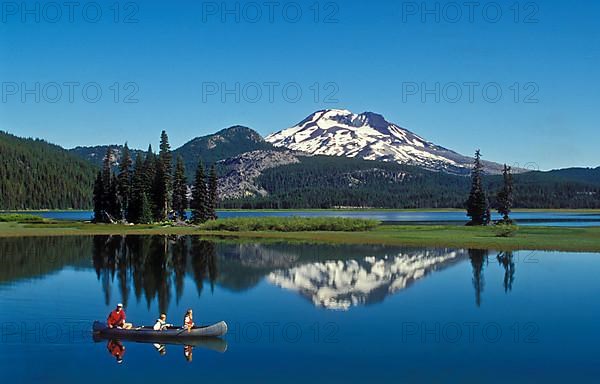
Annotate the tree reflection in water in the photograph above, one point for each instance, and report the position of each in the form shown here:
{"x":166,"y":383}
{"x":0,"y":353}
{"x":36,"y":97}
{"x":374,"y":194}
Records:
{"x":505,"y":259}
{"x":478,"y":259}
{"x":152,"y":265}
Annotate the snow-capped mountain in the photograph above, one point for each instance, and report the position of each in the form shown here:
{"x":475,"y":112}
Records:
{"x":336,"y":132}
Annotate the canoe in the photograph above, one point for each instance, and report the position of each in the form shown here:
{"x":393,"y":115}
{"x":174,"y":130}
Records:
{"x":170,"y":335}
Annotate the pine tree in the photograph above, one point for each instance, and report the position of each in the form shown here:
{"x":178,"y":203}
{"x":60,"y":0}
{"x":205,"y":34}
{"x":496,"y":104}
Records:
{"x":98,"y":199}
{"x":180,"y":202}
{"x":138,"y":190}
{"x":504,"y":198}
{"x":124,"y":181}
{"x":213,"y":197}
{"x":199,"y":203}
{"x":106,"y":176}
{"x":114,"y":202}
{"x":477,"y":204}
{"x":159,"y":193}
{"x":148,"y":175}
{"x":162,"y":179}
{"x":109,"y":200}
{"x":145,"y":210}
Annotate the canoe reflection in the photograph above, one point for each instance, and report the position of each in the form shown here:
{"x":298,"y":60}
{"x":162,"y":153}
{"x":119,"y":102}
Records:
{"x":117,"y":349}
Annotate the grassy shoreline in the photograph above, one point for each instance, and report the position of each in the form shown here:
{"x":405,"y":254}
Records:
{"x":424,"y":210}
{"x":574,"y":239}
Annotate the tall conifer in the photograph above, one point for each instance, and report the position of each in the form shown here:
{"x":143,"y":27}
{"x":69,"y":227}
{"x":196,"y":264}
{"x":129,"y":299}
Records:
{"x":477,"y":204}
{"x":98,"y":199}
{"x":180,"y":202}
{"x":124,"y":181}
{"x":213,"y":197}
{"x":162,"y":179}
{"x":504,"y":198}
{"x":199,"y":203}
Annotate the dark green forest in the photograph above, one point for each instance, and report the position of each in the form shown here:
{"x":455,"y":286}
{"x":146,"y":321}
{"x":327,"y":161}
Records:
{"x":328,"y":182}
{"x":37,"y":175}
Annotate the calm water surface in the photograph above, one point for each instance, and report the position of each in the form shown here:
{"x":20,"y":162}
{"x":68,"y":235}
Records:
{"x":299,"y":313}
{"x":401,"y":217}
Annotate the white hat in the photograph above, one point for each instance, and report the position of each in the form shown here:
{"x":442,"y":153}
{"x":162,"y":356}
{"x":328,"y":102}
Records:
{"x":119,"y":305}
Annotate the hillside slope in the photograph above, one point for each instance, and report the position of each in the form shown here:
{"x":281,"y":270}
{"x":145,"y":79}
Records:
{"x":35,"y":174}
{"x":222,"y":145}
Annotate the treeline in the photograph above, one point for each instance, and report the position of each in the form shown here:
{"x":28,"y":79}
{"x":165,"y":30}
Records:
{"x":554,"y":189}
{"x":329,"y":182}
{"x":37,"y":175}
{"x":150,"y":189}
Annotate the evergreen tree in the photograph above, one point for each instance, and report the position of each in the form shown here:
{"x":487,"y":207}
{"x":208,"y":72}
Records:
{"x":124,"y":182}
{"x":114,"y":202}
{"x":477,"y":204}
{"x":162,"y":179}
{"x":98,"y":199}
{"x":180,"y":202}
{"x":504,"y":198}
{"x":213,"y":197}
{"x":148,"y":174}
{"x":106,"y":176}
{"x":110,"y":199}
{"x":138,"y":191}
{"x":145,"y":210}
{"x":199,"y":203}
{"x":159,"y":193}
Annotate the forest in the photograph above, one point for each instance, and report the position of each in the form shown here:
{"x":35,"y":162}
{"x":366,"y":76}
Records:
{"x":37,"y":175}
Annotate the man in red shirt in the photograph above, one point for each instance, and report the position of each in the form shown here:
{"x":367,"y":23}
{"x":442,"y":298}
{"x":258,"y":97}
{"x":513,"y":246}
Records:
{"x":117,"y":318}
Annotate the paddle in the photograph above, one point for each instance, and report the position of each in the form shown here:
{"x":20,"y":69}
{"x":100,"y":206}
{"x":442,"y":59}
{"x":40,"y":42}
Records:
{"x":179,"y":333}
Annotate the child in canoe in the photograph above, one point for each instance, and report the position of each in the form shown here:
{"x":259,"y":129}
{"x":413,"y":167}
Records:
{"x":161,"y":323}
{"x":188,"y":320}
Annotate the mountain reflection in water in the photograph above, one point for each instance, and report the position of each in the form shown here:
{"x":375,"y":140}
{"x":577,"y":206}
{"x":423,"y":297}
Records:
{"x":344,"y":283}
{"x":155,"y":268}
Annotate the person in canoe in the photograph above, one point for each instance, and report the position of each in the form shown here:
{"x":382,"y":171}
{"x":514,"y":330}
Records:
{"x":161,"y":323}
{"x":116,"y":349}
{"x":116,"y":319}
{"x":188,"y":320}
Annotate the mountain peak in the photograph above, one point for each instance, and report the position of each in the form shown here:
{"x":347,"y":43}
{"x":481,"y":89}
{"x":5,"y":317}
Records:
{"x":368,"y":135}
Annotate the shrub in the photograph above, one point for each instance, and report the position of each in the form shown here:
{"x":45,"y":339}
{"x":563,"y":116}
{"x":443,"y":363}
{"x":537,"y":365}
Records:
{"x":505,"y":230}
{"x":290,"y":224}
{"x":19,"y":218}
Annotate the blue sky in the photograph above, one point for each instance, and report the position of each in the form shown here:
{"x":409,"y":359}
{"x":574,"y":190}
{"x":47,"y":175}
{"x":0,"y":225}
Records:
{"x":532,"y":71}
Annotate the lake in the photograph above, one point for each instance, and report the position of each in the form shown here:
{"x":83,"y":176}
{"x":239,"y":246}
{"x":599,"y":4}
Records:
{"x":546,"y":218}
{"x":298,"y":312}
